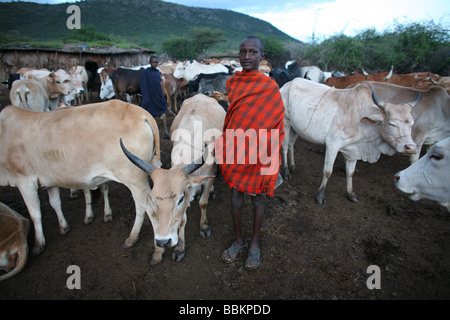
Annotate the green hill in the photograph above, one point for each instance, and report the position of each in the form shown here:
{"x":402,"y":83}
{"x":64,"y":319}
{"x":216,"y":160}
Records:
{"x":139,"y":21}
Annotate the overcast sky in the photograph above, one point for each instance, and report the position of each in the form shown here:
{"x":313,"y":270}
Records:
{"x":301,"y":18}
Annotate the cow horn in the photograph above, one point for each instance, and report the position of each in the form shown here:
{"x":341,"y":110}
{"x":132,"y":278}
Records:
{"x":141,"y":164}
{"x":196,"y":164}
{"x":433,"y":81}
{"x":390,"y":73}
{"x":364,"y":72}
{"x":416,"y":100}
{"x":378,"y":101}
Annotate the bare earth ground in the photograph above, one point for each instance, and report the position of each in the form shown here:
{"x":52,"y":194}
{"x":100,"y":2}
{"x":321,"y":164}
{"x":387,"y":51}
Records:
{"x":309,"y":251}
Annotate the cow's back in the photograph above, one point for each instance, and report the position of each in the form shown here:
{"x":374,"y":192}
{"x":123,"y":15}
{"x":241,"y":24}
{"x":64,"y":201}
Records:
{"x":198,"y":115}
{"x":310,"y":108}
{"x":74,"y":143}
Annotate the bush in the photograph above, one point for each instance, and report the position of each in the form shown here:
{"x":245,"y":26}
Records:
{"x":409,"y":48}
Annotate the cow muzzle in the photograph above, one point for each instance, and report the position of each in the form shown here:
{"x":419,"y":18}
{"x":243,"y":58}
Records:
{"x":409,"y":148}
{"x":164,"y":243}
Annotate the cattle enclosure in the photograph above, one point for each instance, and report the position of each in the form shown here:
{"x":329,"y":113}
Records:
{"x":309,"y":251}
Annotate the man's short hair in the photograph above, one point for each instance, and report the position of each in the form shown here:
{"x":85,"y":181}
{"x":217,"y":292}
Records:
{"x":261,"y":43}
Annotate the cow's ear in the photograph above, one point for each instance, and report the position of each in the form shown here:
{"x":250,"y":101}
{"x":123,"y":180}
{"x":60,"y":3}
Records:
{"x":195,"y":181}
{"x":373,"y":119}
{"x":51,"y":77}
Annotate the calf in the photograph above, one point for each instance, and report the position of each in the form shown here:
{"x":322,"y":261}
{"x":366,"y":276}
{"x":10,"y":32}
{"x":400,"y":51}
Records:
{"x":13,"y":241}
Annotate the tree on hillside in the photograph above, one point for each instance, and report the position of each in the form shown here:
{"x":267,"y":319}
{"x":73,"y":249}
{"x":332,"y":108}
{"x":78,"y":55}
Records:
{"x":204,"y":38}
{"x":179,"y":48}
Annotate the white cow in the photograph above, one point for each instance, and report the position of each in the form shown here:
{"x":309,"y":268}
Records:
{"x":77,"y":148}
{"x":199,"y":122}
{"x":107,"y":90}
{"x":431,"y":114}
{"x":351,"y":121}
{"x":13,"y":241}
{"x":429,"y":177}
{"x":188,"y":70}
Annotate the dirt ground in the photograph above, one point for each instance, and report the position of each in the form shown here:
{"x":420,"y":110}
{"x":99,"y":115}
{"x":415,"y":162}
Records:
{"x":309,"y":251}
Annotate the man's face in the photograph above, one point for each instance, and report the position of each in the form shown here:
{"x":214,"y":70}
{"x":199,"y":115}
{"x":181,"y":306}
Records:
{"x":154,"y":63}
{"x":250,"y":55}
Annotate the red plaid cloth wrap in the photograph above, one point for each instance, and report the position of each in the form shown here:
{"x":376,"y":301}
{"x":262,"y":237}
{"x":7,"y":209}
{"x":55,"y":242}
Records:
{"x":254,"y":126}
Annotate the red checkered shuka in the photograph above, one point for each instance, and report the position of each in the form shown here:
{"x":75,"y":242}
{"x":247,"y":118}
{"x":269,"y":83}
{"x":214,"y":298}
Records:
{"x":248,"y":152}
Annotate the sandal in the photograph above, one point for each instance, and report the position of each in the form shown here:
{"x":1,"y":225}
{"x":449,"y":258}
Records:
{"x":233,"y":251}
{"x":252,"y":259}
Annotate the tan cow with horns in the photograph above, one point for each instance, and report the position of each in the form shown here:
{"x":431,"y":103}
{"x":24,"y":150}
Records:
{"x":77,"y":148}
{"x":199,"y":123}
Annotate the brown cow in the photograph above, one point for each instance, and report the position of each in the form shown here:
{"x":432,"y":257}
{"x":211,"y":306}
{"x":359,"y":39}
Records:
{"x":173,"y":90}
{"x":344,"y":82}
{"x":13,"y":241}
{"x":126,"y":81}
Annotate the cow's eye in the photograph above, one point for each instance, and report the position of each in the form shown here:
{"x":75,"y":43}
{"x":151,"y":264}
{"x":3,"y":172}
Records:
{"x":181,"y":200}
{"x":436,"y":156}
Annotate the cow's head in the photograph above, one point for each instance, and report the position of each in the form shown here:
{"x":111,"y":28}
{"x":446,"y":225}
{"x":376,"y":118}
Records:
{"x":429,"y":176}
{"x":77,"y":83}
{"x":58,"y":83}
{"x":172,"y":192}
{"x":395,"y":123}
{"x":107,"y":90}
{"x":180,"y":70}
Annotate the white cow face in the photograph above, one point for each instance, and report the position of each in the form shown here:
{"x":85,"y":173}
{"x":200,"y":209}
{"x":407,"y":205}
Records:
{"x":429,"y":177}
{"x":107,"y":90}
{"x":395,"y":123}
{"x":180,"y":70}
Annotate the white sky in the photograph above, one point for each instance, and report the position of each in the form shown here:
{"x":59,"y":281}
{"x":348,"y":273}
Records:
{"x":301,"y":18}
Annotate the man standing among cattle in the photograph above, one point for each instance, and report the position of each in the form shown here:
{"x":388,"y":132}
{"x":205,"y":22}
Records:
{"x":152,"y":96}
{"x":256,"y":110}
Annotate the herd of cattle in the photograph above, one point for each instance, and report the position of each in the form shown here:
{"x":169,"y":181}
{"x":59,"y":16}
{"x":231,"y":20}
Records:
{"x":47,"y":143}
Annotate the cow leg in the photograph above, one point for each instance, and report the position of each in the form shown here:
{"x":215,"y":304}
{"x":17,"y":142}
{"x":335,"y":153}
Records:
{"x":349,"y":171}
{"x":89,"y":215}
{"x":107,"y":208}
{"x":138,"y":221}
{"x":205,"y":231}
{"x":330,"y":157}
{"x":55,"y":202}
{"x":143,"y":203}
{"x":284,"y":150}
{"x":31,"y":198}
{"x":292,"y":138}
{"x":179,"y":250}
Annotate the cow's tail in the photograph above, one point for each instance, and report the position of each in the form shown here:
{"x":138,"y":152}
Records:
{"x":22,"y":254}
{"x":22,"y":93}
{"x":285,"y":95}
{"x":157,"y":146}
